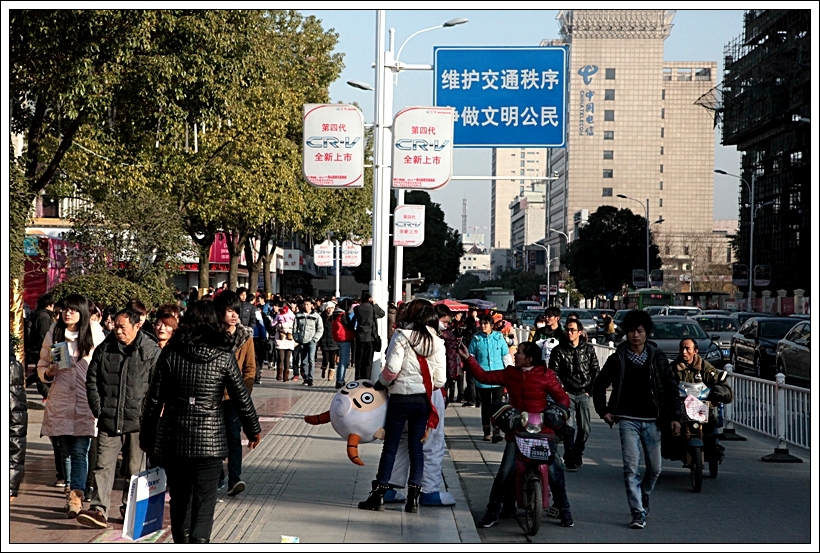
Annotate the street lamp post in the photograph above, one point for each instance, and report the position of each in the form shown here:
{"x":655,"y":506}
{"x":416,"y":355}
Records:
{"x":751,"y":188}
{"x":566,"y":236}
{"x":385,"y":66}
{"x":546,"y":267}
{"x":646,"y":208}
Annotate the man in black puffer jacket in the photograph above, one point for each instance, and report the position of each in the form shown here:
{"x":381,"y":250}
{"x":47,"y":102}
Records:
{"x":117,"y":383}
{"x":575,"y":363}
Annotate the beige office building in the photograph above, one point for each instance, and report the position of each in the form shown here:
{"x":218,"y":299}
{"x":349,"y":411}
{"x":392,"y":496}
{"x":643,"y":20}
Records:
{"x":633,"y":129}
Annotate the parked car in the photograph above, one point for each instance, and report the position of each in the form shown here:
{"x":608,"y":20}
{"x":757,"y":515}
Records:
{"x":586,"y":318}
{"x":744,"y":316}
{"x":617,"y":319}
{"x":717,"y":312}
{"x":528,"y":317}
{"x":722,"y":326}
{"x":754,"y":346}
{"x":520,"y":307}
{"x":682,"y":310}
{"x":671,"y":329}
{"x":793,"y":354}
{"x":803,"y":316}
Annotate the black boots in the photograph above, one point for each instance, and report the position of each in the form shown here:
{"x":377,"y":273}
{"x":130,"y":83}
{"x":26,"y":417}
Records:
{"x":413,"y":494}
{"x":375,"y":501}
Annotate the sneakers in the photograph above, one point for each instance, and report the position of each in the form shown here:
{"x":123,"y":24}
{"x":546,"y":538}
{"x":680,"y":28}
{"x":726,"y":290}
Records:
{"x":645,"y":502}
{"x":93,"y":518}
{"x":237,"y":488}
{"x":566,"y":519}
{"x":638,"y":521}
{"x":60,"y":483}
{"x":339,"y":386}
{"x":489,"y":520}
{"x":467,"y":404}
{"x":571,"y":466}
{"x":497,"y":437}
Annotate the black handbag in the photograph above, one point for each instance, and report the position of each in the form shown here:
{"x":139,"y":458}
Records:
{"x":377,"y":340}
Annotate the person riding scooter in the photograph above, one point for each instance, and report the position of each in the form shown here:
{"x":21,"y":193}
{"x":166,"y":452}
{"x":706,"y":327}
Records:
{"x":528,"y":384}
{"x":692,"y":368}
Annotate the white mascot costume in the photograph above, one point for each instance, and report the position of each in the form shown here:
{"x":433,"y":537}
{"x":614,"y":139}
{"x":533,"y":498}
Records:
{"x":433,"y":492}
{"x":357,"y":414}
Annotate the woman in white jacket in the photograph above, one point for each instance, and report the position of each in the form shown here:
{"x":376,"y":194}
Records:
{"x":67,"y":415}
{"x":415,"y":366}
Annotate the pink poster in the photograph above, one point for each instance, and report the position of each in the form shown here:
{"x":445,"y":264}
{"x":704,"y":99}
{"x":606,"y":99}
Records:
{"x":219,"y":249}
{"x":786,"y":306}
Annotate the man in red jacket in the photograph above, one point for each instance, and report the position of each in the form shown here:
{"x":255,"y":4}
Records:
{"x":528,"y":384}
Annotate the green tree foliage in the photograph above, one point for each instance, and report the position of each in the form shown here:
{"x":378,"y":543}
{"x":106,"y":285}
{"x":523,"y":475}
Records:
{"x":607,"y":249}
{"x":108,"y":289}
{"x":437,"y":259}
{"x":464,"y":284}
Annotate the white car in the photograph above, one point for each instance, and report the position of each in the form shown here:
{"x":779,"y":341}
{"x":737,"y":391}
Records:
{"x":680,"y":310}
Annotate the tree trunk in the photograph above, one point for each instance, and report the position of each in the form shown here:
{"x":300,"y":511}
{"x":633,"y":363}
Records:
{"x":204,"y":268}
{"x":266,"y":260}
{"x":235,"y":241}
{"x":254,"y":265}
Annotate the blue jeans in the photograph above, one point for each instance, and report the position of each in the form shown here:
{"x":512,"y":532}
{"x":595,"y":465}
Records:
{"x":233,"y":426}
{"x":307,"y":359}
{"x":503,"y":489}
{"x":414,"y":411}
{"x":344,"y":361}
{"x":75,"y":460}
{"x":637,"y":436}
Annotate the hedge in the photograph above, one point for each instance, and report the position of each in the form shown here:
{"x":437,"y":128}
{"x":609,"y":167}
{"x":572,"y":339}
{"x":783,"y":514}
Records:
{"x":109,"y":289}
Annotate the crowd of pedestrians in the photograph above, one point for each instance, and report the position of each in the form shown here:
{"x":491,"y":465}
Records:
{"x":172,"y":387}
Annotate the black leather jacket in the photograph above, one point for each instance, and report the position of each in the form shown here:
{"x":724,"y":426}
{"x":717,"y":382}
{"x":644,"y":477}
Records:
{"x":664,"y":385}
{"x":576,"y":367}
{"x":18,"y":424}
{"x":183,"y":415}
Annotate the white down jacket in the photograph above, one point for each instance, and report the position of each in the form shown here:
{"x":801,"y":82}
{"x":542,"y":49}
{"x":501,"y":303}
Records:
{"x":402,"y":365}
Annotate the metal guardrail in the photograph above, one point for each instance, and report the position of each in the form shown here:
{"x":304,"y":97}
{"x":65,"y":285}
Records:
{"x":775,"y":409}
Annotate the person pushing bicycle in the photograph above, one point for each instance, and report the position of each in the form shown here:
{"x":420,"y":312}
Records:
{"x":529,"y":382}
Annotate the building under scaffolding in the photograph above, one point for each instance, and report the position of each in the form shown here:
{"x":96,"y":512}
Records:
{"x":765,"y":113}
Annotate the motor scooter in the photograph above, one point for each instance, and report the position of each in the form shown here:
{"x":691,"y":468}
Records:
{"x":694,"y":445}
{"x":534,"y":453}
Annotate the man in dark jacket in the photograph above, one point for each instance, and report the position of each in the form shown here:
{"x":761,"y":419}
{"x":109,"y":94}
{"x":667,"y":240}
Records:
{"x":41,"y":321}
{"x":18,"y":424}
{"x":365,"y":315}
{"x":247,"y":314}
{"x":116,"y":384}
{"x":575,"y":363}
{"x":644,"y":396}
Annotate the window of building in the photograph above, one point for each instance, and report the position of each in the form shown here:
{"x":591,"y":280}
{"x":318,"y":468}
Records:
{"x":667,"y":73}
{"x":728,"y":254}
{"x":661,"y":132}
{"x":661,"y":168}
{"x":522,"y":163}
{"x":521,"y":172}
{"x":661,"y":185}
{"x":51,"y":208}
{"x":607,"y":173}
{"x":663,"y":113}
{"x":661,"y":150}
{"x":663,"y":94}
{"x":609,"y":94}
{"x":609,"y":115}
{"x":609,"y":74}
{"x":608,"y":154}
{"x":660,"y":202}
{"x":685,"y":249}
{"x":609,"y":135}
{"x":607,"y":193}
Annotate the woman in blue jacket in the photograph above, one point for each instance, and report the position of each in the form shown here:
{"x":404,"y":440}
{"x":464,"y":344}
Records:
{"x":491,"y":351}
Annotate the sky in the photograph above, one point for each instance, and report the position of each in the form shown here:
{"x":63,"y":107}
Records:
{"x":697,"y":35}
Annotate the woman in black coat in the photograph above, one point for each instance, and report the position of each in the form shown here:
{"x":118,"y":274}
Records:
{"x":18,"y":423}
{"x":329,"y":347}
{"x":183,"y":424}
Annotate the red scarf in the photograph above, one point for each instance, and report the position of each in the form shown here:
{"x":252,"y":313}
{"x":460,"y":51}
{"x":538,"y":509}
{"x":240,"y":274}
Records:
{"x":432,"y":419}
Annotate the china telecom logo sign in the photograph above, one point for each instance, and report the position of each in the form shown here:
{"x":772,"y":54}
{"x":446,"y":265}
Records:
{"x":587,"y":72}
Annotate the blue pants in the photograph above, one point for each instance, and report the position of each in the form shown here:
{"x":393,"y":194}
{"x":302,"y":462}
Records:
{"x":307,"y":359}
{"x":344,"y":361}
{"x":75,"y":460}
{"x":637,"y":436}
{"x":414,"y":411}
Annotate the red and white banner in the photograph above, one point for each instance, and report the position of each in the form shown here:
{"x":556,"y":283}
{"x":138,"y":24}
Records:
{"x":408,"y":225}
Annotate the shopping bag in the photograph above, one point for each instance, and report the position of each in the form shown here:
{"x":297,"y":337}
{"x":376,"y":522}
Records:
{"x":145,"y":508}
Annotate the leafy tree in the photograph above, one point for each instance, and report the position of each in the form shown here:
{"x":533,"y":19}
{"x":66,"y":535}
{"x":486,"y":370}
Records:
{"x":607,"y":249}
{"x":523,"y":283}
{"x":464,"y":284}
{"x":438,"y":258}
{"x":112,"y":290}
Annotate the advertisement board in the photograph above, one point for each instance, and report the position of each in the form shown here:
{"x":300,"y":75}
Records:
{"x":323,"y":254}
{"x":422,"y":147}
{"x":408,"y":225}
{"x":351,"y":254}
{"x":333,"y":146}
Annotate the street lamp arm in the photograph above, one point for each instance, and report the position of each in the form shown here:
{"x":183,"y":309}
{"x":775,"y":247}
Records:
{"x":398,"y":55}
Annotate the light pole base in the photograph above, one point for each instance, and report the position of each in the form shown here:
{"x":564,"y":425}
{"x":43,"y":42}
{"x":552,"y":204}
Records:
{"x":781,"y":456}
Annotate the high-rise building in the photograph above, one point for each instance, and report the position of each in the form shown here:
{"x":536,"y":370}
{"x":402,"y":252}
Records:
{"x":766,"y":109}
{"x":634,"y":128}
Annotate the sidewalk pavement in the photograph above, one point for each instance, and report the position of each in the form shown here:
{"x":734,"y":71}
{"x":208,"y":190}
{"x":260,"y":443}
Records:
{"x":299,"y":483}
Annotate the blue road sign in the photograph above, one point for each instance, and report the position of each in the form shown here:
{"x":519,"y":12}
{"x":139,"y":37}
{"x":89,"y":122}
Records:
{"x":504,"y":97}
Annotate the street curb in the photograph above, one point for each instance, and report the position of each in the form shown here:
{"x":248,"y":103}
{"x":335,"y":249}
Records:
{"x":461,"y":510}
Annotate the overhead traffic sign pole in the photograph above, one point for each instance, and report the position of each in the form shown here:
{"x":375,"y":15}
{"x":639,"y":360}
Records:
{"x":504,"y":97}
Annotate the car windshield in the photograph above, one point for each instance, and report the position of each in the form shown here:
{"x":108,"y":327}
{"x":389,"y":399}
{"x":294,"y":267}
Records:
{"x":529,"y":316}
{"x":719,"y":324}
{"x":676,"y":330}
{"x":774,"y":329}
{"x":684,"y":311}
{"x":580,"y":313}
{"x":619,"y":316}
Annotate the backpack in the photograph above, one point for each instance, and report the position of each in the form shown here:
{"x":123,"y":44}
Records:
{"x":340,"y":331}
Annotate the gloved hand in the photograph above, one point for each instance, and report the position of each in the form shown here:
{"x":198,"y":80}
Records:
{"x":378,"y":386}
